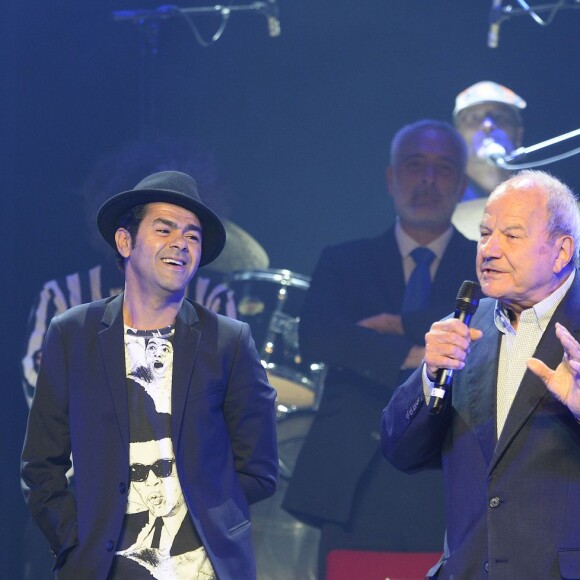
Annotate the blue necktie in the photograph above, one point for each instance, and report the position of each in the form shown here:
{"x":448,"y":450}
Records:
{"x":419,"y":284}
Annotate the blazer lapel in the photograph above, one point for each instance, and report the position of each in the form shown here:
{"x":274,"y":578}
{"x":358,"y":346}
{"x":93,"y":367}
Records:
{"x":185,"y":347}
{"x":481,"y":382}
{"x":532,"y":390}
{"x":113,"y":359}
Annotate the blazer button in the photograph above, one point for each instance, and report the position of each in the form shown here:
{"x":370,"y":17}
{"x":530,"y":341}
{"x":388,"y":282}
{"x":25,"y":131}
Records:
{"x":486,"y":567}
{"x":122,"y":488}
{"x":110,"y":546}
{"x":494,"y":502}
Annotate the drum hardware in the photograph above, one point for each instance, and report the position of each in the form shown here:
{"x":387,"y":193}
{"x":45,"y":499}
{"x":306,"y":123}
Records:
{"x":280,"y":322}
{"x":286,"y":548}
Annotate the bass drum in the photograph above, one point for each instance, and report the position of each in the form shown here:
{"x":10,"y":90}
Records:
{"x":285,"y":548}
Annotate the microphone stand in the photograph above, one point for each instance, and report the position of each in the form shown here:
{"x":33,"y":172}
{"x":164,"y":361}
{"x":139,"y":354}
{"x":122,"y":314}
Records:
{"x":148,"y":21}
{"x":507,"y":12}
{"x":149,"y":44}
{"x":268,"y":8}
{"x":499,"y":13}
{"x":505,"y":161}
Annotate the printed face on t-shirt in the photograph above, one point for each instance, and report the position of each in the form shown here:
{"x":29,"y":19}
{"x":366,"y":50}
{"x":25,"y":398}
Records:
{"x":159,"y":355}
{"x":154,"y":477}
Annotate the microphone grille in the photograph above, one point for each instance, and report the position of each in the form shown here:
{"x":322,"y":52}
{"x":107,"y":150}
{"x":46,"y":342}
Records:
{"x":468,"y":297}
{"x":490,"y":148}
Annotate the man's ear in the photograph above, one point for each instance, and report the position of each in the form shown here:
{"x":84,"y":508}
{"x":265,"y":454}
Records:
{"x":123,"y":241}
{"x":565,"y":255}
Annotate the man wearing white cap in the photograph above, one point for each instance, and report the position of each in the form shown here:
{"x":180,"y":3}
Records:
{"x":488,"y":115}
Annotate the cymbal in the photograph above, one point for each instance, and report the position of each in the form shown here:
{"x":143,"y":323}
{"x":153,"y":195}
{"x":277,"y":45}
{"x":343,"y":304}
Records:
{"x":467,"y":217}
{"x":241,"y":252}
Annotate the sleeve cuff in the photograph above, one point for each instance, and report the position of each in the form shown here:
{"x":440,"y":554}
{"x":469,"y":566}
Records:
{"x":427,"y":384}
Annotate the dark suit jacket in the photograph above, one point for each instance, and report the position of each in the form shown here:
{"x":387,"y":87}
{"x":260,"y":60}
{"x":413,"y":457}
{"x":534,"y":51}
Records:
{"x":513,"y":505}
{"x":353,"y":281}
{"x":223,"y":431}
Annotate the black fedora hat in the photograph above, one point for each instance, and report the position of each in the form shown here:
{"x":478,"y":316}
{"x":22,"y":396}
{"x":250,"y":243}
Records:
{"x":170,"y":187}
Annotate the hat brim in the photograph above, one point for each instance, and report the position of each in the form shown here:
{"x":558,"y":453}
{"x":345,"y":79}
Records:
{"x":517,"y":110}
{"x":213,"y":231}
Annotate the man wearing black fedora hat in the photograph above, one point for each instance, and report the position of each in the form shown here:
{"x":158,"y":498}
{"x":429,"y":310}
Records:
{"x":92,"y":272}
{"x":163,"y":404}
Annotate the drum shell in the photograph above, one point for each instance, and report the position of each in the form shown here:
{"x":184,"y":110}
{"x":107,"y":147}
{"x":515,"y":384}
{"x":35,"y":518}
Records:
{"x":270,"y":302}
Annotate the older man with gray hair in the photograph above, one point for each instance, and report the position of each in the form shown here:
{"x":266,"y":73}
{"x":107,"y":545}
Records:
{"x":508,"y":434}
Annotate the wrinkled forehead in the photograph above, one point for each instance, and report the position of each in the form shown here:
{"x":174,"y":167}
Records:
{"x":522,"y":203}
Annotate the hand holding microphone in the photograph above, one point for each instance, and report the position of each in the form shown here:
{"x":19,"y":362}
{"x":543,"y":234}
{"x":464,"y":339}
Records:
{"x":447,"y":344}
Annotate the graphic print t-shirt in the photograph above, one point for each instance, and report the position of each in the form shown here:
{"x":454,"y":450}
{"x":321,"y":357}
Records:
{"x":158,"y":538}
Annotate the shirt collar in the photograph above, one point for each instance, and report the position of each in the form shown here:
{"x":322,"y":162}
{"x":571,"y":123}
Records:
{"x":542,"y":311}
{"x":407,"y":244}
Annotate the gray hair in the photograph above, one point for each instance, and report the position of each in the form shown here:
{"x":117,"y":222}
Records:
{"x":425,"y":125}
{"x":561,"y":203}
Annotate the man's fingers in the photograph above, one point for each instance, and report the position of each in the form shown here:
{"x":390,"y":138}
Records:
{"x":475,"y":333}
{"x":557,"y":387}
{"x":541,"y":370}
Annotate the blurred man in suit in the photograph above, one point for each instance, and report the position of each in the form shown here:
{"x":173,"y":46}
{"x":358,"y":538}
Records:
{"x":365,"y":315}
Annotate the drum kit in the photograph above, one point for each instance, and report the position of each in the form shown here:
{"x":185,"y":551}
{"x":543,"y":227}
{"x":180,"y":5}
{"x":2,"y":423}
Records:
{"x":269,"y":300}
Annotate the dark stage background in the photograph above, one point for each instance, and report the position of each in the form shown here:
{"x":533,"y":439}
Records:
{"x":300,"y":125}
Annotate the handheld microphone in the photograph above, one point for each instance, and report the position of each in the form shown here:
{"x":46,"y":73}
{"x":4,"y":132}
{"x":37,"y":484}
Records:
{"x":492,"y":152}
{"x":494,"y":24}
{"x":466,"y":304}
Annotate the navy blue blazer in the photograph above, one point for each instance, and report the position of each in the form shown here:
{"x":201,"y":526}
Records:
{"x":352,"y":281}
{"x":223,"y":431}
{"x":513,"y":505}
